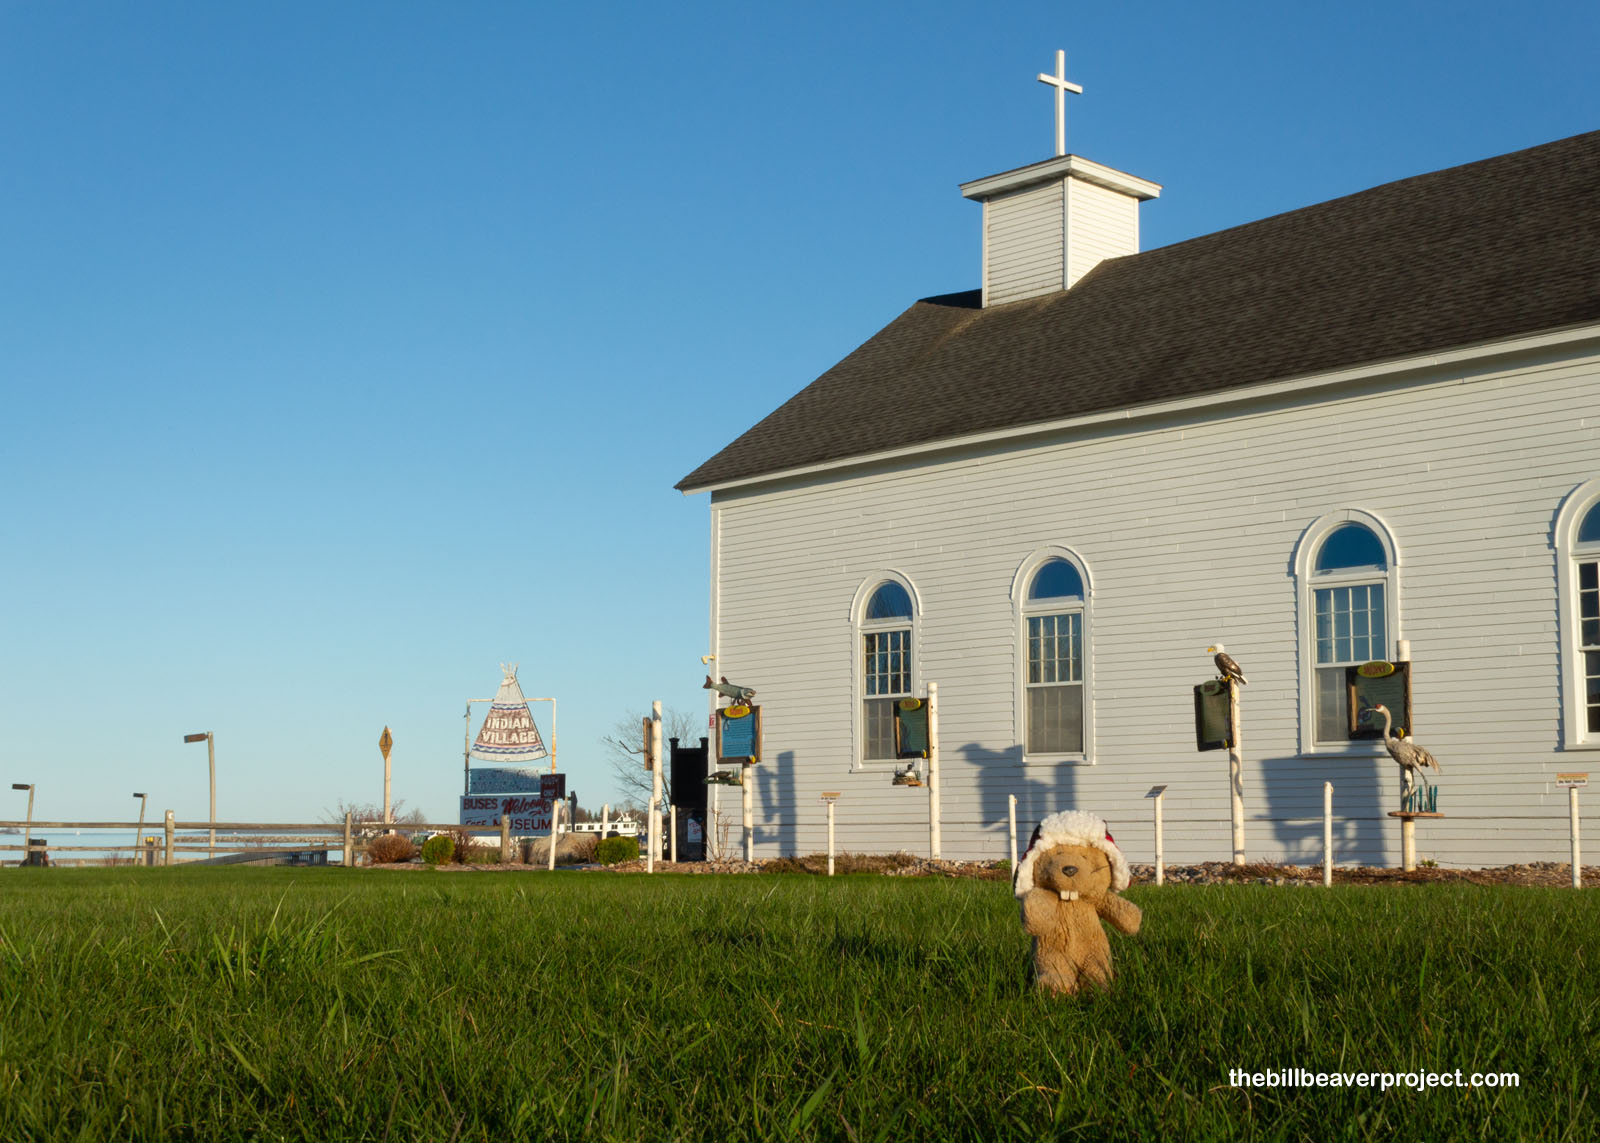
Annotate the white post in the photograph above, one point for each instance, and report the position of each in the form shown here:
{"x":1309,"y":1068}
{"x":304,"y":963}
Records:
{"x":138,"y":835}
{"x":555,"y":830}
{"x":673,"y":834}
{"x":1161,"y":871}
{"x":1012,"y":814}
{"x":605,"y":821}
{"x":933,"y":771}
{"x":654,"y":824}
{"x":1236,"y":770}
{"x":747,"y":797}
{"x":1327,"y":834}
{"x":211,"y":761}
{"x":1408,"y":843}
{"x":1577,"y":857}
{"x":830,"y":839}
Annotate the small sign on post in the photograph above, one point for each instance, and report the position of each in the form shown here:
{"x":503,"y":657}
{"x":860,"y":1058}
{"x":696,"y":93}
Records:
{"x":830,"y":797}
{"x":1572,"y":782}
{"x":1157,"y":793}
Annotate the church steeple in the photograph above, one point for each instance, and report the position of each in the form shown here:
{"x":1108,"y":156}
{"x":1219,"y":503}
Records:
{"x":1048,"y":224}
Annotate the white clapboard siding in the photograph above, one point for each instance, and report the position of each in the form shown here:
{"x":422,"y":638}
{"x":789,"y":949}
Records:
{"x":1100,"y":224}
{"x":1188,"y":528}
{"x":1023,"y":244}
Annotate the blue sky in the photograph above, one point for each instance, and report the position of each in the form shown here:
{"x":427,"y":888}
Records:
{"x":350,"y":350}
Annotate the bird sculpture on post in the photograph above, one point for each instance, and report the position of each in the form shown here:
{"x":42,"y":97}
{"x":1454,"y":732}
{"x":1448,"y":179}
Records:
{"x":1412,"y":758}
{"x":1227,"y":665}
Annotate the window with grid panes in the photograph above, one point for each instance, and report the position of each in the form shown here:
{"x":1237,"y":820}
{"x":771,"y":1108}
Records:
{"x":886,"y":667}
{"x":1588,"y":583}
{"x":1351,"y":623}
{"x":1053,"y":682}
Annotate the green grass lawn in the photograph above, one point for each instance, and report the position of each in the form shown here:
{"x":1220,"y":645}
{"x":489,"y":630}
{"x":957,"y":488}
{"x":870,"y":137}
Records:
{"x":332,"y":1004}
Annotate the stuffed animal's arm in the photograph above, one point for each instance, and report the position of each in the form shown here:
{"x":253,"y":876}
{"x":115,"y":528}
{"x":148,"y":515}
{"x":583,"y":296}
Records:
{"x":1039,"y":911}
{"x":1122,"y":914}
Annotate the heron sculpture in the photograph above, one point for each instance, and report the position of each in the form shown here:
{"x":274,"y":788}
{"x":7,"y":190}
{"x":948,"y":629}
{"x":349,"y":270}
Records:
{"x":1412,"y":758}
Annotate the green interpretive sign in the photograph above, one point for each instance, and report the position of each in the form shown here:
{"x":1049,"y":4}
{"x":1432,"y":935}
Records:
{"x":739,"y":734}
{"x":911,"y":728}
{"x":1379,"y":684}
{"x":1213,"y":716}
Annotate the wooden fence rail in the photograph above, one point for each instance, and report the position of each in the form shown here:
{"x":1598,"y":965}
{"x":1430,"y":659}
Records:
{"x":352,"y":837}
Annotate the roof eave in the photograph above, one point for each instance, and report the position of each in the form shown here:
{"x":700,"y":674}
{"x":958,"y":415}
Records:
{"x":1528,"y":343}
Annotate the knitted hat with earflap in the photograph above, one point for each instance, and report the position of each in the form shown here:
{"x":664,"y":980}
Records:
{"x":1070,"y":827}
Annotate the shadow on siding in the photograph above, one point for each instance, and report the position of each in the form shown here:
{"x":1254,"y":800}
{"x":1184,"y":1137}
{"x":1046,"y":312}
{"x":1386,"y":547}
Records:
{"x":1040,"y":792}
{"x":1293,"y":791}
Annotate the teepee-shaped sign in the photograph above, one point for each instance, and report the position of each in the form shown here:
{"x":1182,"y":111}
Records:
{"x":508,"y":734}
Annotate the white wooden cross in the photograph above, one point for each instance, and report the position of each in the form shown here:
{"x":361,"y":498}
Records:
{"x":1059,"y":82}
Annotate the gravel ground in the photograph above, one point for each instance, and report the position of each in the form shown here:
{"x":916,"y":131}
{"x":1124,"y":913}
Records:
{"x":1556,"y":874}
{"x":1550,"y":873}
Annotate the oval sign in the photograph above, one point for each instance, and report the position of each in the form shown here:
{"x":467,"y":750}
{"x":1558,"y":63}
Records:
{"x":1376,"y":670}
{"x":735,"y":711}
{"x":910,"y":704}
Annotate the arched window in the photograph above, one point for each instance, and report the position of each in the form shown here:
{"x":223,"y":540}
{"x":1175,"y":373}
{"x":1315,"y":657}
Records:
{"x":885,"y":623}
{"x":1050,"y":591}
{"x":1577,"y":536}
{"x":1347,"y":568}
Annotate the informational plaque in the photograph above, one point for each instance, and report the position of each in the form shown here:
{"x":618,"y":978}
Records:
{"x":504,"y":780}
{"x":739,"y":735}
{"x":1213,"y":715}
{"x":1375,"y":684}
{"x":911,"y":728}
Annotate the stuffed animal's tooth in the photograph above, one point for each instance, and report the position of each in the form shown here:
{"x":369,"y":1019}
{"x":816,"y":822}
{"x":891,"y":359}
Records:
{"x":1068,"y":894}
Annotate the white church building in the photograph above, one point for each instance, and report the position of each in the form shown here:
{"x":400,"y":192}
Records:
{"x":1309,"y":438}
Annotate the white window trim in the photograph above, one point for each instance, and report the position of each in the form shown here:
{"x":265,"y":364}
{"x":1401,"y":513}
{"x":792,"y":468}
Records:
{"x":1306,"y":585}
{"x":859,"y":627}
{"x":1020,"y":611}
{"x":1574,"y":721}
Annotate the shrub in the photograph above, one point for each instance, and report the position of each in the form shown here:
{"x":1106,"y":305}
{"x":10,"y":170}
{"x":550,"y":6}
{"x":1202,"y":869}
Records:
{"x":572,"y":849}
{"x":611,"y":850}
{"x":391,"y":849}
{"x":467,"y":849}
{"x":438,"y":849}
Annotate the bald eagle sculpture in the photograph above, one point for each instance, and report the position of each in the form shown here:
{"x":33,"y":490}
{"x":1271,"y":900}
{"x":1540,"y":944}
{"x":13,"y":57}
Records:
{"x":1412,"y":758}
{"x":1227,"y":665}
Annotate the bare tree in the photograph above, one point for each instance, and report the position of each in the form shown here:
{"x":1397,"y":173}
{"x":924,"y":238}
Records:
{"x":625,"y":750}
{"x":368,"y":816}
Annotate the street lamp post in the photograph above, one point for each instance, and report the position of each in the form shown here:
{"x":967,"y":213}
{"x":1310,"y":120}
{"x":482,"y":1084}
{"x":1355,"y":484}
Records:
{"x":138,"y":834}
{"x":210,"y":740}
{"x":27,"y":836}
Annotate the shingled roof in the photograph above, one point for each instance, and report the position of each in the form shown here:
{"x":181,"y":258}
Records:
{"x":1494,"y":249}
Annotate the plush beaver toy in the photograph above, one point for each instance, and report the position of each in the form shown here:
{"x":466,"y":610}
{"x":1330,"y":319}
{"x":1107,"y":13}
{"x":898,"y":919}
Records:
{"x":1067,"y":883}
